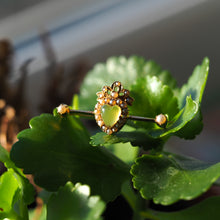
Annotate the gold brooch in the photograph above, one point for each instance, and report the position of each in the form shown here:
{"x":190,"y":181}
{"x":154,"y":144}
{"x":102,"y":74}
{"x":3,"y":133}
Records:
{"x":111,"y":111}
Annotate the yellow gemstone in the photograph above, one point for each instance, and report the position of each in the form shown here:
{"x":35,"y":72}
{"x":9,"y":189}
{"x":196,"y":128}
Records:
{"x":110,"y":114}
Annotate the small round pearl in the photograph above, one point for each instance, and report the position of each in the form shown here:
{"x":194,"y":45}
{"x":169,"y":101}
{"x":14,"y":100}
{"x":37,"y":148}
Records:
{"x":161,"y":120}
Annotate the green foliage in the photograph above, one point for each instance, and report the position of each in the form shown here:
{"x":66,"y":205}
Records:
{"x":150,"y":138}
{"x":152,"y":98}
{"x":207,"y":209}
{"x":196,"y":84}
{"x":194,"y":87}
{"x":167,"y":178}
{"x":8,"y":188}
{"x":15,"y":190}
{"x":154,"y":92}
{"x":74,"y":202}
{"x":115,"y":69}
{"x":124,"y":151}
{"x":59,"y":151}
{"x":137,"y":137}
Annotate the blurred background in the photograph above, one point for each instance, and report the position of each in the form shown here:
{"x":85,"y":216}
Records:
{"x":47,"y":46}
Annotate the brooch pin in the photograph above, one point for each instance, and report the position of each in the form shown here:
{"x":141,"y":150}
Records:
{"x":111,"y":110}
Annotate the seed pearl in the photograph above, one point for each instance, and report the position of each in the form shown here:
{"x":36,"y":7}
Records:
{"x":100,"y":94}
{"x":126,"y":93}
{"x":96,"y":106}
{"x":106,"y":100}
{"x":117,"y":83}
{"x":114,"y":94}
{"x":109,"y":131}
{"x":97,"y":117}
{"x":161,"y":120}
{"x":97,"y":111}
{"x":103,"y":127}
{"x":118,"y":101}
{"x":114,"y":129}
{"x":101,"y":101}
{"x":104,"y":89}
{"x":100,"y":123}
{"x":112,"y":102}
{"x":123,"y":105}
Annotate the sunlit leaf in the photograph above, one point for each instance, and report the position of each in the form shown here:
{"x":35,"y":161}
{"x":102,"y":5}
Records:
{"x":167,"y":178}
{"x":125,"y":70}
{"x":8,"y":188}
{"x":194,"y":87}
{"x":15,"y":189}
{"x":74,"y":202}
{"x":152,"y":98}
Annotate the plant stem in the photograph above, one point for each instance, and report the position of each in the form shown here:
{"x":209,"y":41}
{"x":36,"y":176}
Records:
{"x":136,"y":203}
{"x":23,"y":210}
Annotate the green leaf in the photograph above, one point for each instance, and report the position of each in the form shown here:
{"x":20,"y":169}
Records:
{"x":207,"y":209}
{"x":137,"y":137}
{"x":124,"y":151}
{"x":153,"y":69}
{"x":125,"y":70}
{"x":27,"y":189}
{"x":5,"y":158}
{"x":179,"y":121}
{"x":74,"y":202}
{"x":196,"y":84}
{"x":25,"y":186}
{"x":152,"y":98}
{"x":117,"y":144}
{"x":115,"y":69}
{"x":8,"y":188}
{"x":154,"y":91}
{"x":4,"y":155}
{"x":194,"y":87}
{"x":166,"y":178}
{"x":193,"y":128}
{"x":57,"y":150}
{"x":15,"y":194}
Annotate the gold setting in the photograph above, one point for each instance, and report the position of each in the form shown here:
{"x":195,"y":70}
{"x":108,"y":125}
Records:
{"x":114,"y":95}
